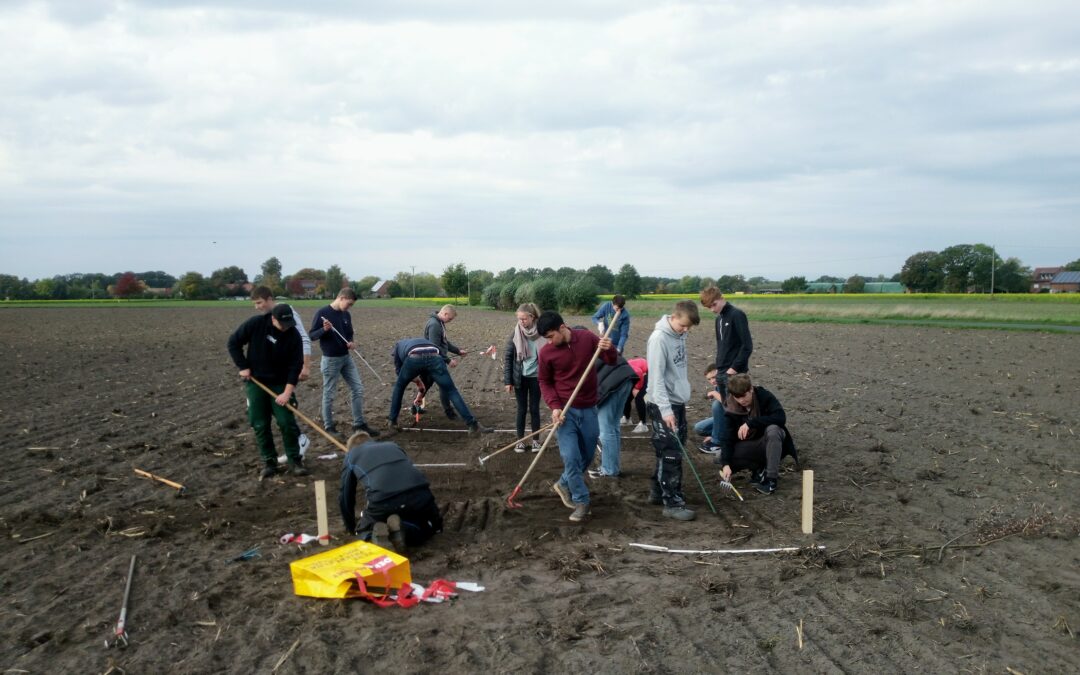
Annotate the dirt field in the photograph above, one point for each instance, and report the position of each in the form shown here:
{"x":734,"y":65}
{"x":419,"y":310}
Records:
{"x":948,"y":481}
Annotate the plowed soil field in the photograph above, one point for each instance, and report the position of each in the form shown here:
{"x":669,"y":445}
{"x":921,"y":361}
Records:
{"x":947,"y":491}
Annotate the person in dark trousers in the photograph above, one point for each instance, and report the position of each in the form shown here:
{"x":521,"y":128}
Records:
{"x":636,"y":399}
{"x":564,"y":361}
{"x":520,"y":364}
{"x":419,"y":358}
{"x":669,"y":390}
{"x":733,"y":349}
{"x":758,"y":437}
{"x":275,"y":357}
{"x":613,"y":386}
{"x":332,"y":327}
{"x":400,"y":506}
{"x":606,"y":314}
{"x":435,"y":331}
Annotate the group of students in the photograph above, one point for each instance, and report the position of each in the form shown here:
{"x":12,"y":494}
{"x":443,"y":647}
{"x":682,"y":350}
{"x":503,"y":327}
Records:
{"x":544,"y":358}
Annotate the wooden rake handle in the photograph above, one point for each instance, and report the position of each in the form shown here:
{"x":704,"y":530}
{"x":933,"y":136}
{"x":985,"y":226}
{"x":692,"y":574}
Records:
{"x":513,"y":443}
{"x":517,"y":488}
{"x":166,"y":481}
{"x":291,"y":408}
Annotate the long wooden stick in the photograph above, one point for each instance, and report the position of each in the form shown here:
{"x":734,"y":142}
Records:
{"x":510,"y":500}
{"x":513,"y":443}
{"x":320,"y":512}
{"x":291,"y":408}
{"x":166,"y":481}
{"x":808,"y":502}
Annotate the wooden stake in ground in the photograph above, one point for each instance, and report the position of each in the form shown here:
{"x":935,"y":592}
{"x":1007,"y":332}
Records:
{"x":180,"y":489}
{"x":320,"y":512}
{"x":808,"y":502}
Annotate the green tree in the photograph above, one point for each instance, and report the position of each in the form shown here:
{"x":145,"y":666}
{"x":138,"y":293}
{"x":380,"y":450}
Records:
{"x":455,"y":280}
{"x":578,"y":295}
{"x":604,"y":278}
{"x":159,"y":279}
{"x":956,"y":265}
{"x":364,"y":286}
{"x":794,"y":285}
{"x":1074,"y":266}
{"x":855,"y":284}
{"x":1012,"y":277}
{"x":628,"y":282}
{"x":690,"y":284}
{"x":922,"y":272}
{"x":227,"y":280}
{"x":984,"y":265}
{"x":194,"y":286}
{"x":827,"y":279}
{"x":732,"y":283}
{"x":271,"y":276}
{"x":335,"y":280}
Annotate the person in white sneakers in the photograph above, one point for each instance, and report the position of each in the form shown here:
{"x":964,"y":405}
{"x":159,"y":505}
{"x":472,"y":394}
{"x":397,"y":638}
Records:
{"x":264,"y":301}
{"x":636,"y":399}
{"x":519,"y":371}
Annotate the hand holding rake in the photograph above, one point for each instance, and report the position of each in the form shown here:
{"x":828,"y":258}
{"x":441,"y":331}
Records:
{"x":354,"y":351}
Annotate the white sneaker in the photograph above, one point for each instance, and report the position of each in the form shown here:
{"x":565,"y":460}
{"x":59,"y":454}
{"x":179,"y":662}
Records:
{"x":520,"y":447}
{"x":305,"y":443}
{"x":626,"y":421}
{"x":640,"y":428}
{"x":536,"y":446}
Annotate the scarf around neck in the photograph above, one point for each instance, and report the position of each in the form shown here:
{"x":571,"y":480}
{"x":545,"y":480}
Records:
{"x":522,"y":338}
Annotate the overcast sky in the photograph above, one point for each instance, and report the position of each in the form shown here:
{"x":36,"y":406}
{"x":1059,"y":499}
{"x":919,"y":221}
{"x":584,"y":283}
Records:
{"x":755,"y":138}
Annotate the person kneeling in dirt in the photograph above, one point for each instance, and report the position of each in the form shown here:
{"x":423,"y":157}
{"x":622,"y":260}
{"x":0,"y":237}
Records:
{"x":757,"y":435}
{"x":274,"y":357}
{"x":400,"y":506}
{"x":418,"y":357}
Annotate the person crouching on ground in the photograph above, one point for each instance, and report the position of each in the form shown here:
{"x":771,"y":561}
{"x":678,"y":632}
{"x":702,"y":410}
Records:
{"x":400,"y":506}
{"x":668,"y":392}
{"x":274,"y":357}
{"x":757,"y":437}
{"x":564,"y":361}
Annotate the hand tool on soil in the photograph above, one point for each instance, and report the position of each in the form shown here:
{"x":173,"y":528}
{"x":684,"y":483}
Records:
{"x":249,"y":554}
{"x":354,"y":351}
{"x":701,"y":484}
{"x":726,"y":486}
{"x":293,"y":410}
{"x":180,"y":489}
{"x":490,"y":350}
{"x":507,"y":447}
{"x":664,"y":549}
{"x":120,"y":637}
{"x":510,"y":503}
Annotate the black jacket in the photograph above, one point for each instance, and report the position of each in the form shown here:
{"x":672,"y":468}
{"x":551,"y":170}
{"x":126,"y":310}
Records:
{"x":770,"y":412}
{"x":274,"y":357}
{"x":610,"y":378}
{"x":385,"y":471}
{"x":435,"y":331}
{"x":733,"y":342}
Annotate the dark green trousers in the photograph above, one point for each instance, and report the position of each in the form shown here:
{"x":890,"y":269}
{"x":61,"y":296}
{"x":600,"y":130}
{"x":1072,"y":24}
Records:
{"x":261,"y":408}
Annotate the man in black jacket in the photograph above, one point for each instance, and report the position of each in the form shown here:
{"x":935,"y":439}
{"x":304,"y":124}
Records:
{"x":398,"y":497}
{"x":613,"y":385}
{"x":733,"y":348}
{"x":275,"y":357}
{"x":757,"y":437}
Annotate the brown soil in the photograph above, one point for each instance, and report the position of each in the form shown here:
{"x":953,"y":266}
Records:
{"x":918,"y":437}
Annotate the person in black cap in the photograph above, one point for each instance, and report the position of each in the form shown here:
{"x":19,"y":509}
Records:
{"x":400,"y":506}
{"x":274,"y":357}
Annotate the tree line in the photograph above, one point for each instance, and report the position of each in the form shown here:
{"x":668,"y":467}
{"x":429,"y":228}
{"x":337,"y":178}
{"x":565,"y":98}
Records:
{"x":963,"y":268}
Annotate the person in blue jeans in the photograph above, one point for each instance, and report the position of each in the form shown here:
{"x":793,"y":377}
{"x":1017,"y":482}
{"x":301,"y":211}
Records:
{"x":332,"y":327}
{"x":613,"y":388}
{"x":614,"y":310}
{"x":565,"y":362}
{"x":707,"y":426}
{"x":416,"y":358}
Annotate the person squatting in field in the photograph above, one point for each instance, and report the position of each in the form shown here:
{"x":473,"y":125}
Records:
{"x":563,"y":362}
{"x":757,"y":437}
{"x":668,"y":392}
{"x":400,"y":506}
{"x":274,"y":357}
{"x":419,"y":358}
{"x":337,"y":362}
{"x":520,"y":363}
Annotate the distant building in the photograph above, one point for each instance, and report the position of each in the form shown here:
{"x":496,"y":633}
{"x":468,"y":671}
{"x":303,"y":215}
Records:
{"x":884,"y":287}
{"x":1041,"y":277}
{"x":1065,"y":282}
{"x":381,"y":289}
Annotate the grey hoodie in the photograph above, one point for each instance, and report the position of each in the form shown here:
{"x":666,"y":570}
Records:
{"x":666,"y":354}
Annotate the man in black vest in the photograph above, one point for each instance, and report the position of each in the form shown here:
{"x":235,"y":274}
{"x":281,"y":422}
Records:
{"x":398,"y":497}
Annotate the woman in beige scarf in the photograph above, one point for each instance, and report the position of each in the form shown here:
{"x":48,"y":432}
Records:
{"x":519,"y":370}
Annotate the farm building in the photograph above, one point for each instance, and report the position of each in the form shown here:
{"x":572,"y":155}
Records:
{"x":1041,"y":277}
{"x":1065,"y":282}
{"x":381,"y":289}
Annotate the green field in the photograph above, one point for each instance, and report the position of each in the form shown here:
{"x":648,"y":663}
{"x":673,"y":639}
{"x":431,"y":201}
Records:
{"x":1020,"y":311}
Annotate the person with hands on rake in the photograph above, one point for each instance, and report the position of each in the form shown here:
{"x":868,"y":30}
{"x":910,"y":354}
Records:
{"x":757,"y":437}
{"x":274,"y":357}
{"x":564,"y":362}
{"x":519,"y":370}
{"x":668,"y":392}
{"x":332,"y":327}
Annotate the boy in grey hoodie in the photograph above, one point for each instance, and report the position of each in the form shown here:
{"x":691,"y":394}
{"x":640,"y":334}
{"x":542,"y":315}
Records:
{"x":667,"y":394}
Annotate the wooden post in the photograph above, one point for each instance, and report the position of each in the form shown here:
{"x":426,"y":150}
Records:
{"x":320,"y":510}
{"x":808,"y":502}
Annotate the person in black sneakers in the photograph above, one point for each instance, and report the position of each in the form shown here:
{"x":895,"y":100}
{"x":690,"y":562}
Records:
{"x":435,"y":331}
{"x":733,"y":349}
{"x":705,"y":427}
{"x":417,"y":357}
{"x":274,"y":357}
{"x":399,"y":499}
{"x":758,"y":437}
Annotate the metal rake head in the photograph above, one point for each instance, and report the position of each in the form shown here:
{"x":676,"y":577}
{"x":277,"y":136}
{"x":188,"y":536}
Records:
{"x":726,"y":486}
